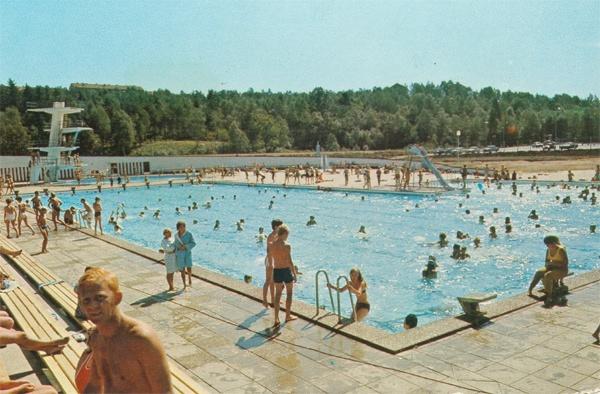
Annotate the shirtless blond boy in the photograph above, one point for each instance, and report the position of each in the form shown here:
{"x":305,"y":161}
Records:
{"x":127,"y":354}
{"x":284,"y":272}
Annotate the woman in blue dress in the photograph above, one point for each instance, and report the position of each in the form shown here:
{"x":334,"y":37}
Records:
{"x":184,"y":242}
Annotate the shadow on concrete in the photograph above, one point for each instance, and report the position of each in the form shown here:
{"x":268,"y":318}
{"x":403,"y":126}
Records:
{"x":251,"y":320}
{"x":259,"y":338}
{"x":163,"y":296}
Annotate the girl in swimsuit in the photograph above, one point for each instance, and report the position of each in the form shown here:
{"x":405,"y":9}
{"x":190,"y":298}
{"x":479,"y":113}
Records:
{"x":22,"y":208}
{"x":10,"y":217}
{"x":43,"y":226}
{"x":358,"y":287}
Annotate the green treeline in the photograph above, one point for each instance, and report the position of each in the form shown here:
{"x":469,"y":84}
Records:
{"x":378,"y":118}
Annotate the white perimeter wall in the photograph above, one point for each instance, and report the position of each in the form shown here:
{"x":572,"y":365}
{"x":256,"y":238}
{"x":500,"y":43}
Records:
{"x":166,"y":163}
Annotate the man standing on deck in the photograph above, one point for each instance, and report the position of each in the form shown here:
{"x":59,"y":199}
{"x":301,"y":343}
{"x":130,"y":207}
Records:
{"x":127,"y":356}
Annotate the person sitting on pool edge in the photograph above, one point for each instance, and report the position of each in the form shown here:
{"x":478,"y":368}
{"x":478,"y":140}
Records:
{"x":555,"y":268}
{"x":430,"y":270}
{"x":358,"y":287}
{"x":410,"y":321}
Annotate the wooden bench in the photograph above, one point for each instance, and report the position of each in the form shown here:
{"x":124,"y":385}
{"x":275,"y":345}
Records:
{"x":64,"y":297}
{"x":470,"y":304}
{"x":3,"y":372}
{"x":37,"y":322}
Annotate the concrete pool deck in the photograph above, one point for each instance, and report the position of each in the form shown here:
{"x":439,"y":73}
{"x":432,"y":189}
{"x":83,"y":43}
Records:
{"x":223,"y":338}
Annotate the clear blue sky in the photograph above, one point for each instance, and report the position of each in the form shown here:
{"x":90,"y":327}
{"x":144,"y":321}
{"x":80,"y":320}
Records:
{"x":544,"y":46}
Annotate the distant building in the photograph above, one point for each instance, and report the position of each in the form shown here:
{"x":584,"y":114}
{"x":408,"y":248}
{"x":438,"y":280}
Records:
{"x":78,"y":85}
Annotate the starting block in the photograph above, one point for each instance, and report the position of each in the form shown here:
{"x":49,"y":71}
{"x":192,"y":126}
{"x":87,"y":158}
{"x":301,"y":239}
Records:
{"x":470,"y":304}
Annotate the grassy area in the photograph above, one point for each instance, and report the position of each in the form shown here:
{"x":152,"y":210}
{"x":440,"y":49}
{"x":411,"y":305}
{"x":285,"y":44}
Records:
{"x":177,"y":148}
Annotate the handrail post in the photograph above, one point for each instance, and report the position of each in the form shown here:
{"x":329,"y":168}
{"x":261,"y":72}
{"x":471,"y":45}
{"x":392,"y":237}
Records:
{"x":338,"y":299}
{"x":317,"y":289}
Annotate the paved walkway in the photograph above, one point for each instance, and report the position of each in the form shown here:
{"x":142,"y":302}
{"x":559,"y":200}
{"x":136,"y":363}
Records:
{"x":223,"y":339}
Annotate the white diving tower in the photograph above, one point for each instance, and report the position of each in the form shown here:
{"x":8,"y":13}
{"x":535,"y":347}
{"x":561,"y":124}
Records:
{"x":61,"y":140}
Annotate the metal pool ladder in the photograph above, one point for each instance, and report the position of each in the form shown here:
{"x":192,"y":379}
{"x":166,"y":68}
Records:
{"x":317,"y":289}
{"x":339,"y":309}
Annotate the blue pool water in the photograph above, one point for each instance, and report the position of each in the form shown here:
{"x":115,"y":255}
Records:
{"x":400,"y":238}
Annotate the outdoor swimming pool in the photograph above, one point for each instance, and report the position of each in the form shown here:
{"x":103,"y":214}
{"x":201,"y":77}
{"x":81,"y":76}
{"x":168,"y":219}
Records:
{"x":391,"y":257}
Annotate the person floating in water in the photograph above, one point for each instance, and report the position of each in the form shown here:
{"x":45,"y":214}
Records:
{"x":461,"y":235}
{"x":477,"y":242}
{"x":481,"y":219}
{"x":592,"y":229}
{"x":493,"y":234}
{"x":463,"y":253}
{"x":239,"y":226}
{"x":455,"y":251}
{"x":156,"y":214}
{"x":508,"y":228}
{"x":362,"y":230}
{"x":443,"y":241}
{"x":177,"y":211}
{"x":533,"y":215}
{"x":217,"y":224}
{"x":430,"y":270}
{"x":357,"y":286}
{"x":410,"y":321}
{"x":311,"y":221}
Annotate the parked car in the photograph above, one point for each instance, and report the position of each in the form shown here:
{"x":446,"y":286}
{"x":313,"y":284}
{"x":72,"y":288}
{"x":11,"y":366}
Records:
{"x":491,"y":149}
{"x":568,"y":146}
{"x":440,"y":151}
{"x":537,"y":144}
{"x":549,"y":145}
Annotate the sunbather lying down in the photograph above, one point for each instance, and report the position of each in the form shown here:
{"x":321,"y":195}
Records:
{"x":8,"y":335}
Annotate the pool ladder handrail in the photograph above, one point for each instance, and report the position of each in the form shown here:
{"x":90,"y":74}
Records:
{"x":339,"y":309}
{"x":317,"y":289}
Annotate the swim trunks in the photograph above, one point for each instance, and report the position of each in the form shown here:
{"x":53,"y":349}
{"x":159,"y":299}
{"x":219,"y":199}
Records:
{"x":10,"y":217}
{"x":97,"y":214}
{"x":361,"y":305}
{"x":282,"y":275}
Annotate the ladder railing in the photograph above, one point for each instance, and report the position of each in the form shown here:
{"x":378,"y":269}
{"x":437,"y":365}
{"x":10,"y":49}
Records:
{"x":339,"y":309}
{"x":317,"y":289}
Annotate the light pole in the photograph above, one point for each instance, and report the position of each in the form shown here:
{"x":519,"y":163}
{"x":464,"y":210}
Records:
{"x":556,"y":126}
{"x":457,"y":144}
